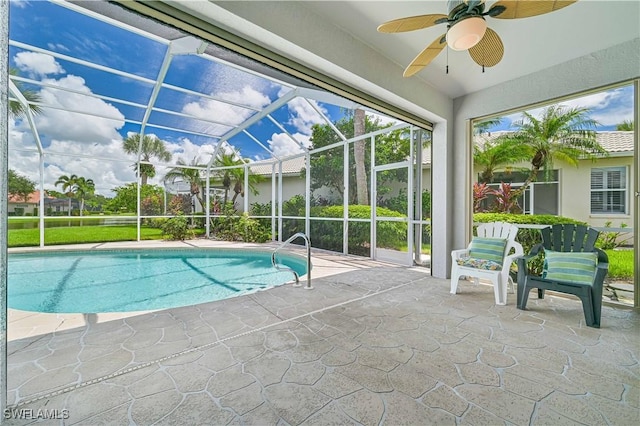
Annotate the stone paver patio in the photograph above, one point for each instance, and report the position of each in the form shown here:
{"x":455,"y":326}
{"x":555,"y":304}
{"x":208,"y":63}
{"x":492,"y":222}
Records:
{"x":371,"y":344}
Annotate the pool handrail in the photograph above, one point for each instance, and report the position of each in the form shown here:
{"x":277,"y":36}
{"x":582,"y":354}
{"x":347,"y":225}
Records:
{"x":284,"y":267}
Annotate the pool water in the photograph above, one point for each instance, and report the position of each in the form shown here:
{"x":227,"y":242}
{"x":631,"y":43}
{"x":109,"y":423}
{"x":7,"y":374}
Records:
{"x":138,"y":280}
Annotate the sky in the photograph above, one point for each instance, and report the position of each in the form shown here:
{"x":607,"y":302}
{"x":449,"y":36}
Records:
{"x":608,"y":108}
{"x":75,"y":121}
{"x":78,"y":123}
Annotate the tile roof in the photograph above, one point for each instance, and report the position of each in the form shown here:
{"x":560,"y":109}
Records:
{"x":33,"y":198}
{"x":612,"y":141}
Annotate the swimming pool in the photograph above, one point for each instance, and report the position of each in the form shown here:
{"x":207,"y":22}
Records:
{"x":139,"y":280}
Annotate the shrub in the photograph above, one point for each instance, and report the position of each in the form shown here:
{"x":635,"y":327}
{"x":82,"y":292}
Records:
{"x":177,"y":228}
{"x":400,"y":203}
{"x":611,"y":240}
{"x":242,"y":228}
{"x":324,"y":234}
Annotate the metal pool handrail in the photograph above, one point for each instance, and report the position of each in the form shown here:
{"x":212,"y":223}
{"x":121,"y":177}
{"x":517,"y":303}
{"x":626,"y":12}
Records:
{"x":307,"y":243}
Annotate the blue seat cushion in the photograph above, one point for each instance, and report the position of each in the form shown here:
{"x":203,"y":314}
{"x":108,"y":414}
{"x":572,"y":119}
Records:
{"x":487,"y":249}
{"x":576,"y":267}
{"x":472,"y":262}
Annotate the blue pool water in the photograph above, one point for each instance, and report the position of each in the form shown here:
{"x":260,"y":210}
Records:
{"x":136,"y":280}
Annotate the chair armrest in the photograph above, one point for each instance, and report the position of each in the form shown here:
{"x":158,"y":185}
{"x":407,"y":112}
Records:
{"x":535,"y":250}
{"x":457,"y":254}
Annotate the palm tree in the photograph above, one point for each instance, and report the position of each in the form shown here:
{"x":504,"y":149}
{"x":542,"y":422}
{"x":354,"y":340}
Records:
{"x":359,"y":147}
{"x":486,"y":125}
{"x":152,"y":147}
{"x":84,"y":187}
{"x":496,"y":154}
{"x":68,"y":184}
{"x":188,"y":174}
{"x":625,"y":126}
{"x":235,"y":176}
{"x":16,"y":109}
{"x":564,"y":134}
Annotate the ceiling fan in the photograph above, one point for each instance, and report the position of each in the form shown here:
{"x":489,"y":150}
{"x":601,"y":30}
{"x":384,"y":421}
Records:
{"x":467,"y":28}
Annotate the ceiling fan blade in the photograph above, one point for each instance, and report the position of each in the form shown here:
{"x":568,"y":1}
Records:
{"x":525,"y":8}
{"x":426,"y":56}
{"x":488,"y":52}
{"x":412,"y":23}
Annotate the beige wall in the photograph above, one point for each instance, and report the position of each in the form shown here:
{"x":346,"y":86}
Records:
{"x":575,"y":192}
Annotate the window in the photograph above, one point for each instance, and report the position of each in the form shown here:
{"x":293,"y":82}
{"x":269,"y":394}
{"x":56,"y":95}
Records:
{"x":609,"y":190}
{"x":541,"y":197}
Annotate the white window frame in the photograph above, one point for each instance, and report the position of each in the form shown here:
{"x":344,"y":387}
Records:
{"x":605,"y":189}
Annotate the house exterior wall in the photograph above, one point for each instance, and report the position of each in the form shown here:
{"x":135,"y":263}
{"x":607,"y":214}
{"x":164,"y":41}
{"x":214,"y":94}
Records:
{"x":29,"y":209}
{"x":576,"y":192}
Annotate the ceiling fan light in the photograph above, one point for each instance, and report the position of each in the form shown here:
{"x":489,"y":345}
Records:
{"x":466,"y":33}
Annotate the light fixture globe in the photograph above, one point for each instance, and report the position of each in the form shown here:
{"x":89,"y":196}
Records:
{"x":466,"y":33}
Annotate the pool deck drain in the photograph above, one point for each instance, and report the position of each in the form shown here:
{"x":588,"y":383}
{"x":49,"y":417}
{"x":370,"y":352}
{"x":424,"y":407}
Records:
{"x":371,"y":344}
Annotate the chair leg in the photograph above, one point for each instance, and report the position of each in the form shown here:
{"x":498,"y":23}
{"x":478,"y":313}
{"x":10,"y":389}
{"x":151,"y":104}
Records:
{"x":499,"y":290}
{"x":540,"y":293}
{"x":589,"y":314}
{"x":523,"y":295}
{"x":455,"y":277}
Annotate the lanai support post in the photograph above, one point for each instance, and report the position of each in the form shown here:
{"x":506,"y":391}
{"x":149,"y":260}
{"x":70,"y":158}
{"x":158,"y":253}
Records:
{"x":4,"y":194}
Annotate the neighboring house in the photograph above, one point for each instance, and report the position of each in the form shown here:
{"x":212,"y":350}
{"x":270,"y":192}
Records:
{"x":595,"y":192}
{"x":17,"y":206}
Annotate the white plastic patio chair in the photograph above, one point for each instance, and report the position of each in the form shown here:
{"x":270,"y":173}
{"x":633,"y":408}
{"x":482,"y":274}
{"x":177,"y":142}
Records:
{"x":488,"y":256}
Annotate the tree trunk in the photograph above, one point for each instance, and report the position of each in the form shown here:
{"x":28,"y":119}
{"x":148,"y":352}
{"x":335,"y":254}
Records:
{"x":359,"y":157}
{"x":143,"y":178}
{"x":531,"y":178}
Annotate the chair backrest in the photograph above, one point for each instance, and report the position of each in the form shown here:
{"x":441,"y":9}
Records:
{"x":569,"y":237}
{"x":508,"y":231}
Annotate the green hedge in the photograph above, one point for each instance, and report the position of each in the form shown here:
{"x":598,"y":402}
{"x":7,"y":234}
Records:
{"x":326,"y":234}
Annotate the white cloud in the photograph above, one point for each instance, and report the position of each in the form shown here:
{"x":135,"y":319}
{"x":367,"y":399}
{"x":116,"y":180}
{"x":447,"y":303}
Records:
{"x":57,"y":47}
{"x":64,"y":125}
{"x":225,"y":113}
{"x":382,"y":119}
{"x":37,"y":64}
{"x":303,"y":115}
{"x":282,"y":145}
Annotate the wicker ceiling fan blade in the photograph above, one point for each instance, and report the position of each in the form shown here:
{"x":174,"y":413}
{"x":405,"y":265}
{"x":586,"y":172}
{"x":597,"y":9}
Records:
{"x":514,"y":9}
{"x":489,"y":51}
{"x":412,"y":23}
{"x":426,"y":56}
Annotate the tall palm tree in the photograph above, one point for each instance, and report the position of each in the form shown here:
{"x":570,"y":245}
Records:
{"x":152,"y":147}
{"x":16,"y":109}
{"x":68,"y":184}
{"x":235,"y":176}
{"x":500,"y":153}
{"x":564,"y":134}
{"x":359,"y":147}
{"x":188,"y":174}
{"x":483,"y":127}
{"x":84,"y":188}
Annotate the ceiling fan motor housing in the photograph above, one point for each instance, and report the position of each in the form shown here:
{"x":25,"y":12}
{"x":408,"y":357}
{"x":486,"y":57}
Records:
{"x":460,"y":9}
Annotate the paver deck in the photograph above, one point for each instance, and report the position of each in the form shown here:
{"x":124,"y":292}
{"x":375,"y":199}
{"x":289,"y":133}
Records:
{"x":371,"y":344}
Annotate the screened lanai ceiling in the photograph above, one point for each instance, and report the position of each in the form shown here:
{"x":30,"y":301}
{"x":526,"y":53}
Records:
{"x":99,"y":79}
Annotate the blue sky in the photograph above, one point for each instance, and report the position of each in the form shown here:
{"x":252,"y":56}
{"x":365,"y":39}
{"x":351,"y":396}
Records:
{"x":57,"y":29}
{"x":608,"y":108}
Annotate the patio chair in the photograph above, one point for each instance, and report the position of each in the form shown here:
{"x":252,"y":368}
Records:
{"x":572,"y":265}
{"x":488,"y":256}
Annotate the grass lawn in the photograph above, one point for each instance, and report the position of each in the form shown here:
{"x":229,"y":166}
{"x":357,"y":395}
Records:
{"x":620,"y":263}
{"x":80,"y":234}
